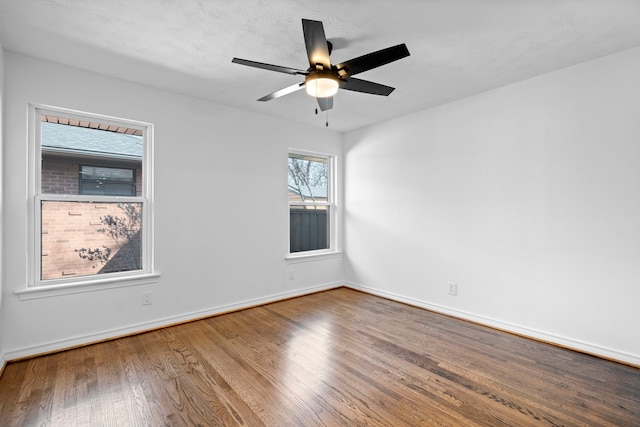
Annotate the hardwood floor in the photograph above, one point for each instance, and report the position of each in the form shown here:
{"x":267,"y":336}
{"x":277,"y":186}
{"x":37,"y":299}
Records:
{"x":334,"y":358}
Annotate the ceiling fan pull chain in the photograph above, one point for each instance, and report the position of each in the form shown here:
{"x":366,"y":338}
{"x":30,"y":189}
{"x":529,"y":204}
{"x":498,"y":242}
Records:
{"x":326,"y":123}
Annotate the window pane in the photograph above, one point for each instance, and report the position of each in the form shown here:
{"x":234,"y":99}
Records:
{"x":106,"y":174}
{"x":83,"y":238}
{"x":308,"y":228}
{"x":105,"y":181}
{"x":68,"y":146}
{"x":101,"y":188}
{"x":308,"y":178}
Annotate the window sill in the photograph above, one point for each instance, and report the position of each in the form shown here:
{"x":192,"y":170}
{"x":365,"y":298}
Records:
{"x":312,"y":256}
{"x":89,"y":285}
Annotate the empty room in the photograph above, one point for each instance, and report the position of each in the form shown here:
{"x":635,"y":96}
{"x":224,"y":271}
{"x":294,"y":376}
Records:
{"x":329,"y":213}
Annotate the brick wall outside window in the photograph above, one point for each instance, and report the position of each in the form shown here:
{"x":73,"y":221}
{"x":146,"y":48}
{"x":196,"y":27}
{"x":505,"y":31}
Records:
{"x":59,"y":177}
{"x":67,"y":226}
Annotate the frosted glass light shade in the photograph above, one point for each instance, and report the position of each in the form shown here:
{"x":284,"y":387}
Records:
{"x":321,"y":87}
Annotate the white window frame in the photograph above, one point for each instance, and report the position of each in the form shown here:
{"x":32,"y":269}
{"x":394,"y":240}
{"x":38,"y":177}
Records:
{"x":58,"y":286}
{"x":332,"y":193}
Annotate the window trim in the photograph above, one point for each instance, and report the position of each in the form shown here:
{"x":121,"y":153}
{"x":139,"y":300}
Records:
{"x":332,"y":193}
{"x":35,"y":285}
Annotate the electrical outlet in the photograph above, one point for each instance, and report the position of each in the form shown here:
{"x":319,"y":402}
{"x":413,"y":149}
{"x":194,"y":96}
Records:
{"x":292,"y":275}
{"x":453,"y":288}
{"x":146,"y":298}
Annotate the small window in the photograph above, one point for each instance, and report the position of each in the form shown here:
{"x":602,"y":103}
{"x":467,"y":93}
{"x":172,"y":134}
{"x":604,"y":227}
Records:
{"x":311,"y":205}
{"x":107,"y":181}
{"x":91,"y":197}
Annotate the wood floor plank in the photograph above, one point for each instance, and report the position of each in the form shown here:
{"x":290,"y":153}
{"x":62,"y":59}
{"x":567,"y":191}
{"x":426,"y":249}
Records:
{"x":353,"y":361}
{"x":108,"y":370}
{"x":268,"y":345}
{"x":209,"y":396}
{"x":335,"y":358}
{"x":374,"y":343}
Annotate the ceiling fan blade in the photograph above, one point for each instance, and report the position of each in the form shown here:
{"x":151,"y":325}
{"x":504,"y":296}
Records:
{"x":269,"y":67}
{"x":365,"y":86}
{"x":282,"y":92}
{"x":325,"y":103}
{"x":316,"y":43}
{"x":373,"y":60}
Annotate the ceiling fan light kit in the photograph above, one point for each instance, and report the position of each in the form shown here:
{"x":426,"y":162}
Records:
{"x":322,"y":79}
{"x":321,"y":85}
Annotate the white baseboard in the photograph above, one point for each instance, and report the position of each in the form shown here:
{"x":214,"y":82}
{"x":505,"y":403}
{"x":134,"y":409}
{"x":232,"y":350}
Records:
{"x":569,"y":343}
{"x":3,"y":363}
{"x":80,"y":340}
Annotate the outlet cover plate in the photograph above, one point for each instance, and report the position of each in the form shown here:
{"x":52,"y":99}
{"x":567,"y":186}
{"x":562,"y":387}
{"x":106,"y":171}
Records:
{"x":453,"y":288}
{"x":147,"y":298}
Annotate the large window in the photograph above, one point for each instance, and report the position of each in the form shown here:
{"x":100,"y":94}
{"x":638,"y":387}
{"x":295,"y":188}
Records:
{"x":311,"y":203}
{"x":91,"y":197}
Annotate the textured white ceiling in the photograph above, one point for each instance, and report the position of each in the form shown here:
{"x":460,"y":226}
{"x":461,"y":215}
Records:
{"x":458,"y":47}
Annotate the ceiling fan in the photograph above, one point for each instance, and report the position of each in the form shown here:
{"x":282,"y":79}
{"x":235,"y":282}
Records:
{"x":322,"y":79}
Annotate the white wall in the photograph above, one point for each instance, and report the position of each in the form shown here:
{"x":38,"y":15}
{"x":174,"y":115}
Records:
{"x":2,"y":323}
{"x":220,"y":209}
{"x":527,"y":197}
